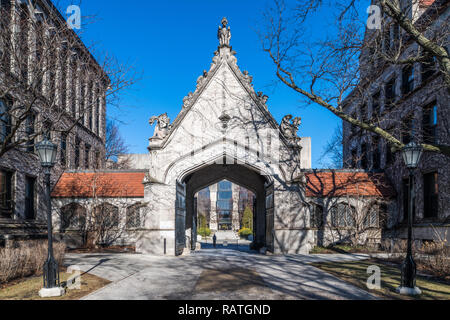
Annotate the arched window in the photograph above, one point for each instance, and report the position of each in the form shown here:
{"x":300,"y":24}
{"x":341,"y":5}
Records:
{"x":106,"y":216}
{"x":343,"y":215}
{"x":134,"y":216}
{"x":73,"y":217}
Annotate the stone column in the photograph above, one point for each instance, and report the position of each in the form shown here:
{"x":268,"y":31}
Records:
{"x":213,"y":221}
{"x":235,"y":223}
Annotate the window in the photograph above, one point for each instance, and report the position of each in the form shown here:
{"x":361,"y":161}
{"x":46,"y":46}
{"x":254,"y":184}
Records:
{"x":428,"y":68}
{"x":224,"y":204}
{"x":73,"y":217}
{"x":108,"y":214}
{"x":364,"y":156}
{"x":342,"y":215}
{"x":376,"y":153}
{"x":29,"y":128}
{"x":407,"y":129}
{"x":134,"y":216}
{"x":5,"y":120}
{"x":316,"y":216}
{"x":63,"y":79}
{"x":5,"y":193}
{"x":363,"y":112}
{"x":389,"y":155}
{"x":354,"y":159}
{"x":387,"y":38}
{"x":395,"y":35}
{"x":430,"y":195}
{"x":429,"y":124}
{"x":390,"y":94}
{"x":63,"y":149}
{"x":408,"y":79}
{"x":97,"y":159}
{"x":82,"y":103}
{"x":29,"y":198}
{"x":77,"y":152}
{"x":87,"y":156}
{"x":371,"y":217}
{"x":97,"y":113}
{"x":73,"y":85}
{"x":376,"y":105}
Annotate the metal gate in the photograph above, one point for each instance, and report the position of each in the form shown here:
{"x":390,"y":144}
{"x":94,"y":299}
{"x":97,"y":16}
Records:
{"x":180,"y":219}
{"x":270,"y":217}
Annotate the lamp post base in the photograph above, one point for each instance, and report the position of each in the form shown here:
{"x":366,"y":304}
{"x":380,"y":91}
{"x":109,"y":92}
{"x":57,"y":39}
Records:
{"x":51,"y":292}
{"x":409,"y":291}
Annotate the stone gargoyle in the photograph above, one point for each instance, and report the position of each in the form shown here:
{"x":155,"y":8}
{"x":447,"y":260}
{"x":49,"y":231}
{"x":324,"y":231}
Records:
{"x":289,"y":127}
{"x":162,"y":126}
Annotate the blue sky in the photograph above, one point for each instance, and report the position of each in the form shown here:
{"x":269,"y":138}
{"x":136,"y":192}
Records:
{"x":172,"y":42}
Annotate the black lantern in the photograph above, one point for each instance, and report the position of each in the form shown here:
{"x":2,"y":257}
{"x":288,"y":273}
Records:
{"x":411,"y":153}
{"x":47,"y":153}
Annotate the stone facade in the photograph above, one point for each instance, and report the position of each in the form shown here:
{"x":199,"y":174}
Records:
{"x":418,"y":108}
{"x":82,"y":147}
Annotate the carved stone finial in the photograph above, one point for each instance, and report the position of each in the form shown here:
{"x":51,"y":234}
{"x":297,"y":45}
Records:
{"x":224,"y":34}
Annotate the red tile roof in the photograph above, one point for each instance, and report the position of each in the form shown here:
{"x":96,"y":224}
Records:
{"x":100,"y":184}
{"x":426,"y":3}
{"x":338,"y":184}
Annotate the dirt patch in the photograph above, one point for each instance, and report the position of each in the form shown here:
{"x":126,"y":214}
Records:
{"x":229,"y":280}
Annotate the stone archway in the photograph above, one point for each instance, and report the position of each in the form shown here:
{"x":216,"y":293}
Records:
{"x":238,"y":174}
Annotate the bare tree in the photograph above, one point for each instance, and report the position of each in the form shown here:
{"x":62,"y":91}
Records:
{"x":115,"y":147}
{"x":50,"y":81}
{"x":325,"y":68}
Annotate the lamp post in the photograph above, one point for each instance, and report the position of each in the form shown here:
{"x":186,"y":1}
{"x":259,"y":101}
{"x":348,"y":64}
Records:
{"x":47,"y":154}
{"x":411,"y":153}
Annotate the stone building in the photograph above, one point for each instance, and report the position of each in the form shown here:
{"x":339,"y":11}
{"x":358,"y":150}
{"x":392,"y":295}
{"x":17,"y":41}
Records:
{"x":70,"y":104}
{"x":101,"y":208}
{"x":223,"y":204}
{"x":411,"y":102}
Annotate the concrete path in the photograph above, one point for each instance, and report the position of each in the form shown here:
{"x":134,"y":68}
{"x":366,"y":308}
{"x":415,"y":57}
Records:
{"x":216,"y":274}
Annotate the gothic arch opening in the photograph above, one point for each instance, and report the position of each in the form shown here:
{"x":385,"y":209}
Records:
{"x":186,"y":215}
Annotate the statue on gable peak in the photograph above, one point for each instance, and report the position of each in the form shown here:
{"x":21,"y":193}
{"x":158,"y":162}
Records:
{"x":224,"y":34}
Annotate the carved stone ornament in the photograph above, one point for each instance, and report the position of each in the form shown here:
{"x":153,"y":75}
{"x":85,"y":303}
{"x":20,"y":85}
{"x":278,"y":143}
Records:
{"x":188,"y":100}
{"x":224,"y":34}
{"x":262,"y":97}
{"x":289,"y":128}
{"x":163,"y":126}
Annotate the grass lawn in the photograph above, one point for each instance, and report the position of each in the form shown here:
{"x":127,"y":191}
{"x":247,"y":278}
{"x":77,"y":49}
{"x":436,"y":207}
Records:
{"x":356,"y":273}
{"x":28,"y":288}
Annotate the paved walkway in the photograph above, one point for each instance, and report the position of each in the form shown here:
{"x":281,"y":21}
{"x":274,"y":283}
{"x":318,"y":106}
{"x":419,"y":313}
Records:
{"x":220,"y":274}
